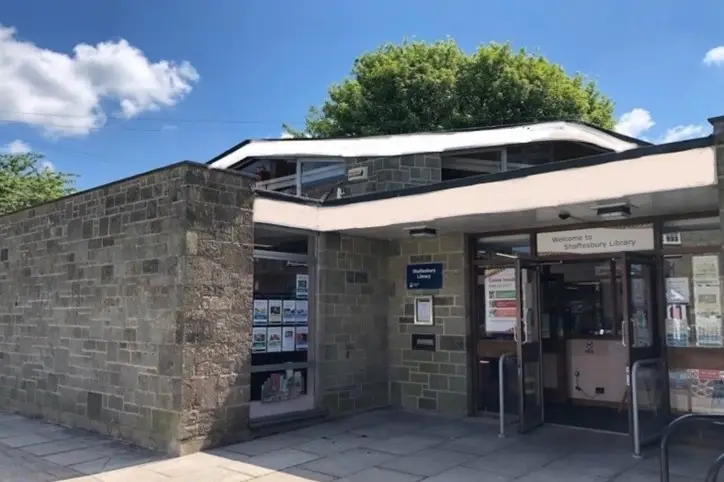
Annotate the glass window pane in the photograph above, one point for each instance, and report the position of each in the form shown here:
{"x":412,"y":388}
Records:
{"x":489,"y":247}
{"x":280,"y":379}
{"x":268,"y":238}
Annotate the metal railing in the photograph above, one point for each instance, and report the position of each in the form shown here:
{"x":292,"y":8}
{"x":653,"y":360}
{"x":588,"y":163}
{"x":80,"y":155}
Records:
{"x":501,"y":391}
{"x":637,"y":439}
{"x":672,"y":429}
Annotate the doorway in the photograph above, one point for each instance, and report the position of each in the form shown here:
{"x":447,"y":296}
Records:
{"x":576,"y":328}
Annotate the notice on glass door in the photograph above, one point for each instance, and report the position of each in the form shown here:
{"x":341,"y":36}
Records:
{"x":707,"y":301}
{"x":501,"y":311}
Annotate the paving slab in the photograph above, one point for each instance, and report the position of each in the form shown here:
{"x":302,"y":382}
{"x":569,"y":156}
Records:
{"x":381,"y":446}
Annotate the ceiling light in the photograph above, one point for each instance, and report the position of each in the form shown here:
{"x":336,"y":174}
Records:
{"x":614,"y":211}
{"x":421,"y":232}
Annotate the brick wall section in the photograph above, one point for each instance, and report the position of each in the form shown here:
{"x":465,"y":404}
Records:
{"x":216,"y":308}
{"x":392,"y":173}
{"x":426,"y":380}
{"x":98,"y":300}
{"x":351,"y":329}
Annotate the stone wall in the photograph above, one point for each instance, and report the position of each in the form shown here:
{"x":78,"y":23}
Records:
{"x":422,"y":379}
{"x":351,"y":328}
{"x":392,"y":173}
{"x":120,"y":306}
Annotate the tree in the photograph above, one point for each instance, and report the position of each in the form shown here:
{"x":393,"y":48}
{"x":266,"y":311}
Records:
{"x":25,"y":182}
{"x":414,"y":87}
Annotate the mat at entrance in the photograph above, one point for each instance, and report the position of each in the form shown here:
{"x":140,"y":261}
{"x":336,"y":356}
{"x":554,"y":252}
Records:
{"x":597,"y":418}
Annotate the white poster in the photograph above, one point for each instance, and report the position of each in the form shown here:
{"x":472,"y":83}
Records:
{"x":258,"y":340}
{"x":289,"y":311}
{"x":302,"y":286}
{"x":288,"y":334}
{"x":274,"y":339}
{"x":301,"y":335}
{"x":261,"y":312}
{"x":501,"y":311}
{"x":677,"y":325}
{"x":707,"y":301}
{"x":275,"y":312}
{"x":596,"y":240}
{"x":301,"y":312}
{"x":677,"y":290}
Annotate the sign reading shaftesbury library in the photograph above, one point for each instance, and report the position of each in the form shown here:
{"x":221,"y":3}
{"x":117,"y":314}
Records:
{"x":427,"y":276}
{"x":596,"y":240}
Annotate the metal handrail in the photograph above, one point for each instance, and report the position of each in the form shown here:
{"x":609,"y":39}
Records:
{"x":674,"y":427}
{"x":713,"y":472}
{"x":635,"y":402}
{"x":501,"y":391}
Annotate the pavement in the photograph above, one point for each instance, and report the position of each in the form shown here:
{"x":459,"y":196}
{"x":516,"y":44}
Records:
{"x":380,"y":446}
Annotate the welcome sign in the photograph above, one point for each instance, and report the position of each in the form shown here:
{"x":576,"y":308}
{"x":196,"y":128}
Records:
{"x":596,"y":240}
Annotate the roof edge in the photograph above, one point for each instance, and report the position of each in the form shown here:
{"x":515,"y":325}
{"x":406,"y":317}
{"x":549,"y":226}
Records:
{"x":654,"y":149}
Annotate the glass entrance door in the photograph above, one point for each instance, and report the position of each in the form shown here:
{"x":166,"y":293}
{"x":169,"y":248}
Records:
{"x":529,"y":347}
{"x":646,"y":372}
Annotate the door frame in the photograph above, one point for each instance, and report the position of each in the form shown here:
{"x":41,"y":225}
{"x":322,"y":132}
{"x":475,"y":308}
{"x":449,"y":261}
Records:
{"x":529,"y":349}
{"x":657,"y":349}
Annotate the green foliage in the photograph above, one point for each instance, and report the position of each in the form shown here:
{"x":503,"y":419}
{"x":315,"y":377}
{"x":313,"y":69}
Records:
{"x":416,"y":87}
{"x":24,"y":182}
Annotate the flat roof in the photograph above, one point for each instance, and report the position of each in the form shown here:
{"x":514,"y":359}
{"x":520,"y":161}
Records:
{"x":428,"y":142}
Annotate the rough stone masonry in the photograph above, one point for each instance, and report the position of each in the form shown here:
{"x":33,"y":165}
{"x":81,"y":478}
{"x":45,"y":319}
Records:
{"x":126,"y":309}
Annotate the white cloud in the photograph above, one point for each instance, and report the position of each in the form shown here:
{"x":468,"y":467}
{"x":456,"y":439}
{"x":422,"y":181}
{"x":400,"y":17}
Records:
{"x":17,"y":147}
{"x":64,"y":94}
{"x":714,"y":56}
{"x":680,"y":133}
{"x":639,"y":121}
{"x":635,"y":123}
{"x":47,"y":166}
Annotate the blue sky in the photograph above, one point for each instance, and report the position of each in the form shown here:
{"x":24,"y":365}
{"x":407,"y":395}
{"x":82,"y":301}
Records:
{"x":237,"y":69}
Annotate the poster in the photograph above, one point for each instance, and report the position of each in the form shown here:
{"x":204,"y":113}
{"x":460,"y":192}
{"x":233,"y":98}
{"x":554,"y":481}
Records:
{"x":706,"y":391}
{"x":301,"y":335}
{"x":258,"y":340}
{"x":274,"y":339}
{"x":677,"y":290}
{"x":677,"y":325}
{"x":275,"y":312}
{"x":261,"y":312}
{"x":288,"y":334}
{"x":301,"y":312}
{"x":289,"y":311}
{"x":501,"y":311}
{"x":302,"y":286}
{"x":707,"y":301}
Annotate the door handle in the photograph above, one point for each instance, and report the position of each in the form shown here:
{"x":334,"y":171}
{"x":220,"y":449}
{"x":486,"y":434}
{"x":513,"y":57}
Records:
{"x":623,"y":333}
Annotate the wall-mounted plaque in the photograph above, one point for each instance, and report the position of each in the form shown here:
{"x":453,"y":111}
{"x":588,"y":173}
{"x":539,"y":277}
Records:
{"x":423,"y":342}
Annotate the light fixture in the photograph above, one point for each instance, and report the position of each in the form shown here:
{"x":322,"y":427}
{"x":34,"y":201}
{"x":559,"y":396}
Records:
{"x":421,"y":232}
{"x":614,"y":211}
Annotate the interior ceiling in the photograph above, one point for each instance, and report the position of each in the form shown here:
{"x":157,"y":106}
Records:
{"x":678,"y":202}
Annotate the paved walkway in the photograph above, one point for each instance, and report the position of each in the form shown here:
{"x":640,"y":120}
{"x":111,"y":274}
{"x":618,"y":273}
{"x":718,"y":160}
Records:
{"x":384,"y":446}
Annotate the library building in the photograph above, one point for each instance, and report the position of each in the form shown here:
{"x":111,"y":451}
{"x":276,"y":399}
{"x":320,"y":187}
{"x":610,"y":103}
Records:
{"x":546,"y":273}
{"x":552,"y":273}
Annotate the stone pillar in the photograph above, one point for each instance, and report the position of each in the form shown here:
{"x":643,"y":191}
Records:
{"x":425,"y":380}
{"x":215,"y":324}
{"x":353,"y":296}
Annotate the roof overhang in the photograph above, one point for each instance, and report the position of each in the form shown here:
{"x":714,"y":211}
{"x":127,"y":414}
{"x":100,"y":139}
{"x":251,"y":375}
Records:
{"x":406,"y":144}
{"x":663,"y":172}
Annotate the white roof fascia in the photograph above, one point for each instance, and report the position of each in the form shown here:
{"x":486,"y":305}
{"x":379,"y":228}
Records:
{"x":406,"y":144}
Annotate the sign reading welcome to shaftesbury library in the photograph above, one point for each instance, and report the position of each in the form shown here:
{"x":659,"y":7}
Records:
{"x":424,"y":276}
{"x":596,"y":240}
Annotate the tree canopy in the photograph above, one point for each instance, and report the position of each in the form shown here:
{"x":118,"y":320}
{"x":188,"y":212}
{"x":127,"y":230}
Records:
{"x":25,"y":182}
{"x":416,"y":87}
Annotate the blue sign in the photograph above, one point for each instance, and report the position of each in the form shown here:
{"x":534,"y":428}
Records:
{"x":427,"y":276}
